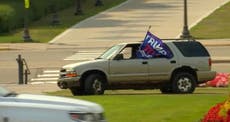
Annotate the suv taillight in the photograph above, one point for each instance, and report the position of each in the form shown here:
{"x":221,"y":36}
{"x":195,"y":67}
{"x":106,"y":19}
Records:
{"x":210,"y":62}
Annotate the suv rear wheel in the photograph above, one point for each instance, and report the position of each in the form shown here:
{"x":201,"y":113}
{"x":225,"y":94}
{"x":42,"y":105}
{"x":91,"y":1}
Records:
{"x":184,"y":83}
{"x":95,"y":84}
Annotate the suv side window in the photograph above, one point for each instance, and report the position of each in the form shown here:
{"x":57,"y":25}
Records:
{"x":192,"y":49}
{"x":129,"y":52}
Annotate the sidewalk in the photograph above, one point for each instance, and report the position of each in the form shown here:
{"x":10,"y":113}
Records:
{"x":130,"y":21}
{"x":31,"y":89}
{"x":215,"y":42}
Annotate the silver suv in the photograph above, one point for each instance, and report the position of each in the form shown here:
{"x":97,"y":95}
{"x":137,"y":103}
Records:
{"x":119,"y":68}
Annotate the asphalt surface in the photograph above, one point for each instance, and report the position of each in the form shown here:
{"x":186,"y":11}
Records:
{"x":125,"y":23}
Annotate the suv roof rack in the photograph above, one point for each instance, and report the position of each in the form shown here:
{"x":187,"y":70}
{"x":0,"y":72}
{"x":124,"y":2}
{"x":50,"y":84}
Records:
{"x":179,"y":39}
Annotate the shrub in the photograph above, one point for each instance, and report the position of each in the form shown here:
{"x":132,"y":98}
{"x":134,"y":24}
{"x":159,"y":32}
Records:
{"x":7,"y":18}
{"x":218,"y":113}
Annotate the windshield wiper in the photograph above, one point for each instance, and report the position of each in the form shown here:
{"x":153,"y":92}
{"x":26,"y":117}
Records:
{"x":10,"y":94}
{"x":98,"y":58}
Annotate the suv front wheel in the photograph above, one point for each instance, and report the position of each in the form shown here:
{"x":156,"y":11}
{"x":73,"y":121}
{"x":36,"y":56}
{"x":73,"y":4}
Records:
{"x":184,"y":83}
{"x":95,"y":84}
{"x":77,"y":91}
{"x":166,"y":88}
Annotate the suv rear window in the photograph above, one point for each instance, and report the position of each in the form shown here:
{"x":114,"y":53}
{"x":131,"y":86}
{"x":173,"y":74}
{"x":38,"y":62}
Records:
{"x":192,"y":49}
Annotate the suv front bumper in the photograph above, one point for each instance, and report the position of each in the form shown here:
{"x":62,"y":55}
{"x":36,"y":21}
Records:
{"x":65,"y":83}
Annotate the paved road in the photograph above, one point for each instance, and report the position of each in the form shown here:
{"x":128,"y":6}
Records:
{"x":218,"y":52}
{"x":41,"y":57}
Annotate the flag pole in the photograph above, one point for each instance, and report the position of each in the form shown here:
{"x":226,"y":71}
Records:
{"x":149,"y":28}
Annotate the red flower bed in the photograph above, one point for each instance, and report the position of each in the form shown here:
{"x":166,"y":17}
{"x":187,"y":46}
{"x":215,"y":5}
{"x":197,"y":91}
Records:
{"x":221,"y":80}
{"x":212,"y":115}
{"x":218,"y":113}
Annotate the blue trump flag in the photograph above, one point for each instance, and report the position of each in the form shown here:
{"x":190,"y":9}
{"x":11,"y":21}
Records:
{"x":152,"y":47}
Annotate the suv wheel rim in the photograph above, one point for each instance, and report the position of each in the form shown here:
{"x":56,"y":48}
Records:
{"x":184,"y":84}
{"x":97,"y":85}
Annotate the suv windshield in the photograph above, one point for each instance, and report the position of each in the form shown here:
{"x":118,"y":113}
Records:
{"x":110,"y":52}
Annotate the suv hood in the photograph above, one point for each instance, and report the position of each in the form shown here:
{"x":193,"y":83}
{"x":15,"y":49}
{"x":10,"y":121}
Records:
{"x":69,"y":66}
{"x":43,"y":100}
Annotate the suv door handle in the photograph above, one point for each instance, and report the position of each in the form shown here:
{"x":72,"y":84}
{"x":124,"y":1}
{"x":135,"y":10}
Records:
{"x":144,"y":62}
{"x":173,"y":62}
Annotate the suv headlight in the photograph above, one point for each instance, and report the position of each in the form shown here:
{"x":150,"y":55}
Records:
{"x":68,"y":73}
{"x":71,"y":74}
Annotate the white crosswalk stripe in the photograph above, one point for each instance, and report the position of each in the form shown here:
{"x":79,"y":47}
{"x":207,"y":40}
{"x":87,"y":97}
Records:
{"x":48,"y":82}
{"x":44,"y":79}
{"x":47,"y":76}
{"x":51,"y":71}
{"x":83,"y":56}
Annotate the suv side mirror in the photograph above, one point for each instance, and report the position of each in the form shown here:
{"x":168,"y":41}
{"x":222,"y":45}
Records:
{"x":119,"y":56}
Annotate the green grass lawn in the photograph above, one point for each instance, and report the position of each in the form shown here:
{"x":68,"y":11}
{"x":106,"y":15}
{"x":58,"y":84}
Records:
{"x":42,"y":31}
{"x":152,"y":106}
{"x":215,"y":26}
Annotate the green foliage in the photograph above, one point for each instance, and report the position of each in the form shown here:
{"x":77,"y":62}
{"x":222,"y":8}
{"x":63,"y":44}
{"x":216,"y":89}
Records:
{"x":12,"y":11}
{"x":152,"y":106}
{"x":8,"y":15}
{"x":215,"y":26}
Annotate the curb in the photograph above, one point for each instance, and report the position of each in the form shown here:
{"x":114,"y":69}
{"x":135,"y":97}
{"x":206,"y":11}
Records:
{"x":215,"y":42}
{"x":221,"y":61}
{"x":216,"y":45}
{"x":4,"y":48}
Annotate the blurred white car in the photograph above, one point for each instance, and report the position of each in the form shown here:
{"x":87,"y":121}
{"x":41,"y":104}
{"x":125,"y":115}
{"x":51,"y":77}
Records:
{"x":41,"y":108}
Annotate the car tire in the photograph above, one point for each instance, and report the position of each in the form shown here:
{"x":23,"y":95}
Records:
{"x":76,"y":91}
{"x":184,"y":83}
{"x":95,"y":84}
